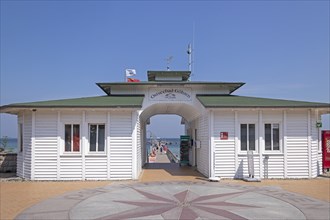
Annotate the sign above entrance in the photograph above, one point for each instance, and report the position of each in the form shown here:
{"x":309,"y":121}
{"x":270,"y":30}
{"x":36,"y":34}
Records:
{"x":170,"y":94}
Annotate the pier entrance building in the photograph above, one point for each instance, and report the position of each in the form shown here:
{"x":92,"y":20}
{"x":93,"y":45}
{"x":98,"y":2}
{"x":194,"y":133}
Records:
{"x":103,"y":137}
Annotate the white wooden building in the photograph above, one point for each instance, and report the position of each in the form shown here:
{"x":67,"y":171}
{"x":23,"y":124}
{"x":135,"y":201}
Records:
{"x":104,"y":137}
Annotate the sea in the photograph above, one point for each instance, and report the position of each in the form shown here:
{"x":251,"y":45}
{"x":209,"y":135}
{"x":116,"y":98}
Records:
{"x":172,"y":143}
{"x":11,"y":145}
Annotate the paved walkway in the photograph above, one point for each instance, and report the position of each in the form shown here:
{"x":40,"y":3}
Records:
{"x":16,"y":196}
{"x":30,"y":199}
{"x":179,"y":200}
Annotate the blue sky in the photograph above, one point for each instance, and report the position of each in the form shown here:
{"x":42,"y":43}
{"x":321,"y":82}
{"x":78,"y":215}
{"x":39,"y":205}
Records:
{"x":60,"y":49}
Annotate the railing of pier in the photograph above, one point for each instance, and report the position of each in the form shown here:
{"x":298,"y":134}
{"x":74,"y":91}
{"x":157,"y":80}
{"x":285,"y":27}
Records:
{"x":171,"y":156}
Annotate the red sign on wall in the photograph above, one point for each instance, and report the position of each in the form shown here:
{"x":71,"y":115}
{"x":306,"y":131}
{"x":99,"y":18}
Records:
{"x":223,"y":135}
{"x":326,"y":149}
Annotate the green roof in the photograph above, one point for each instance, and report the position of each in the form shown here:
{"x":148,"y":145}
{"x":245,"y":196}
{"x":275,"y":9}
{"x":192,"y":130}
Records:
{"x":135,"y":101}
{"x":87,"y":102}
{"x":232,"y":101}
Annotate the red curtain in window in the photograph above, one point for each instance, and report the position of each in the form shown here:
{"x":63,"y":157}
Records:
{"x":76,"y":138}
{"x":75,"y":143}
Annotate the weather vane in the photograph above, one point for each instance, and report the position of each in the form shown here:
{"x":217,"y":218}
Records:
{"x":168,"y":61}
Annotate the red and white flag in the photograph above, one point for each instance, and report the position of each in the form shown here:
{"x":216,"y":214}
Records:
{"x":130,"y":72}
{"x":132,"y":80}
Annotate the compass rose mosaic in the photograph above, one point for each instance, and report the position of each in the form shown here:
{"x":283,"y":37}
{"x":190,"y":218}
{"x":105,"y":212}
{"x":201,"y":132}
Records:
{"x":182,"y":201}
{"x":179,"y":200}
{"x":184,"y":205}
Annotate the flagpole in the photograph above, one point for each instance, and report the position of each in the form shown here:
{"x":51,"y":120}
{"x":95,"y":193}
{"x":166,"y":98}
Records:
{"x":192,"y":51}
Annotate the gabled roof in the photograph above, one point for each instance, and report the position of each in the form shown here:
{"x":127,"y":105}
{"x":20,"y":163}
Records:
{"x":131,"y":101}
{"x":233,"y":101}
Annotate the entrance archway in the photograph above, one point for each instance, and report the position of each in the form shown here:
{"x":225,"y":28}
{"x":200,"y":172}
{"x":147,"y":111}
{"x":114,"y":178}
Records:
{"x":168,"y":171}
{"x":164,"y":131}
{"x":187,"y":111}
{"x":163,"y":138}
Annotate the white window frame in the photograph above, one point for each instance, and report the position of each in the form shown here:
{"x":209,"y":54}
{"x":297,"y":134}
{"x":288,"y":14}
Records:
{"x":63,"y":139}
{"x":97,"y":133}
{"x":240,"y":151}
{"x":280,"y":137}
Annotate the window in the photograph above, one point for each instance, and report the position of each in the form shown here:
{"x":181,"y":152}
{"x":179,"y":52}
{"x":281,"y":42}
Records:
{"x":72,"y":138}
{"x":96,"y":137}
{"x":20,"y":132}
{"x":272,"y":137}
{"x":248,"y":137}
